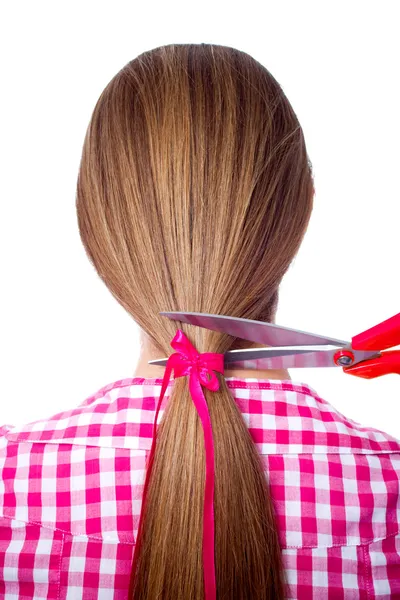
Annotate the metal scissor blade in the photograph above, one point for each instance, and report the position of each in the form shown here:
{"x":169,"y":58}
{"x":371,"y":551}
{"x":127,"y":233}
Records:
{"x":282,"y":358}
{"x":255,"y":331}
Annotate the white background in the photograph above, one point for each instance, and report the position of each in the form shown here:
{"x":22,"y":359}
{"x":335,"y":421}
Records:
{"x":63,"y":335}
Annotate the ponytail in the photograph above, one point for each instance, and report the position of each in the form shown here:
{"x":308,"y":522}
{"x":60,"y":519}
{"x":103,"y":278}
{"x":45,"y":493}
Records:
{"x":169,"y":545}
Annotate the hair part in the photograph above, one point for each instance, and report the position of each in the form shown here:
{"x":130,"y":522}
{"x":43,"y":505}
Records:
{"x":194,"y":193}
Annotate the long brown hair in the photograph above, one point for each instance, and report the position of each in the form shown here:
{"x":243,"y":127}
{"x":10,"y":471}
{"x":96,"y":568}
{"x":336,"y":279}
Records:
{"x":194,"y":193}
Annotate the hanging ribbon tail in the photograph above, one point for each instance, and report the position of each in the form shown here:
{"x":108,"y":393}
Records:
{"x":200,"y":368}
{"x":208,"y":519}
{"x":150,"y":461}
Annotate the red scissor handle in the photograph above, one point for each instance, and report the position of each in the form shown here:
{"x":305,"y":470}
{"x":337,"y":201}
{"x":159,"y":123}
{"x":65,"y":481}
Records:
{"x":381,"y":336}
{"x":387,"y":362}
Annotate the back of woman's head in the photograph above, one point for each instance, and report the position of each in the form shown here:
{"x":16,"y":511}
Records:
{"x":194,"y":194}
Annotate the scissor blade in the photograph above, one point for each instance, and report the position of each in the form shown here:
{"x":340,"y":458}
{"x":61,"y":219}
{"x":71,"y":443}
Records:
{"x":255,"y":331}
{"x":282,"y":358}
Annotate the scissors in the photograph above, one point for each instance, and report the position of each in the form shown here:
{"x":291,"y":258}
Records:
{"x":362,"y":357}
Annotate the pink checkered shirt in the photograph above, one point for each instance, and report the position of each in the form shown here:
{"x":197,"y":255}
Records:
{"x":71,"y":489}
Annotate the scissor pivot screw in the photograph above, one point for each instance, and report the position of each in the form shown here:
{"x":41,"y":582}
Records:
{"x":343,"y":358}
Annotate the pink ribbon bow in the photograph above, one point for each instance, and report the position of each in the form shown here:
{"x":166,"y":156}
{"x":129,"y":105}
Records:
{"x":200,"y":368}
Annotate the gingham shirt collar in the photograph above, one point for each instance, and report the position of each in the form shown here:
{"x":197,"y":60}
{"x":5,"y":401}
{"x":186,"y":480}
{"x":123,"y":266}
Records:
{"x":284,"y":417}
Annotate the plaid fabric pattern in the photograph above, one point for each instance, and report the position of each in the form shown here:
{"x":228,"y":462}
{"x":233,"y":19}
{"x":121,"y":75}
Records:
{"x":71,"y":489}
